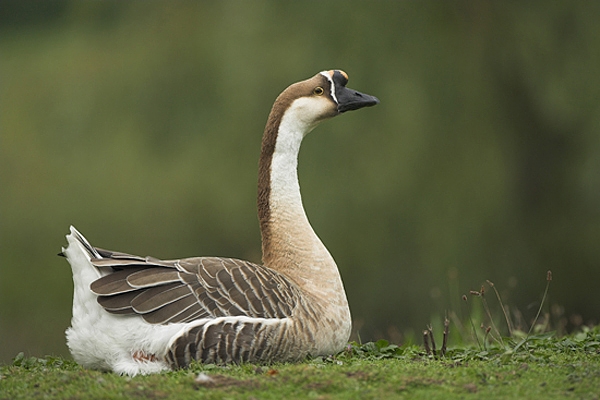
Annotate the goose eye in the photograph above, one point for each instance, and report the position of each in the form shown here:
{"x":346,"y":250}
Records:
{"x":318,"y":91}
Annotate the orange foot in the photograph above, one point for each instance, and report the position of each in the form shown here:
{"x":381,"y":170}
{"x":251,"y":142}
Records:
{"x":141,"y":356}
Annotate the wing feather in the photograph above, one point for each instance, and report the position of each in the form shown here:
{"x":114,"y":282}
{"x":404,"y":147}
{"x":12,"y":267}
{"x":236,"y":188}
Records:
{"x":114,"y":283}
{"x":168,"y":291}
{"x":159,"y":296}
{"x":152,"y":277}
{"x":173,"y":312}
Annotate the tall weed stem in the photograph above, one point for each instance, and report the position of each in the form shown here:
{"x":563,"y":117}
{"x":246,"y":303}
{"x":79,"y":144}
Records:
{"x":548,"y":279}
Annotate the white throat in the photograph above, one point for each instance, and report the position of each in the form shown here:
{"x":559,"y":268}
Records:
{"x":285,"y":189}
{"x":302,"y":255}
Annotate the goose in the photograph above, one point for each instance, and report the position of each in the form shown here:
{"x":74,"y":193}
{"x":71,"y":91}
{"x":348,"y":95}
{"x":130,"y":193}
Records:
{"x":141,"y":315}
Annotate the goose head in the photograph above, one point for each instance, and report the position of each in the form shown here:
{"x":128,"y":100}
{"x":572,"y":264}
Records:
{"x":321,"y":97}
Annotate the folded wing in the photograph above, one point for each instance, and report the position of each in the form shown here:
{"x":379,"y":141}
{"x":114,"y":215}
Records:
{"x":193,"y":288}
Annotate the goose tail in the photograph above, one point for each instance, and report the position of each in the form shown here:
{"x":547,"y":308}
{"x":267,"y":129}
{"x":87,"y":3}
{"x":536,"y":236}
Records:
{"x":85,"y":344}
{"x":79,"y":253}
{"x":76,"y":238}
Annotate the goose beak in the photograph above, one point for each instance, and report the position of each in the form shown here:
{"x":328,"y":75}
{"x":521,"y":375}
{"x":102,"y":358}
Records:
{"x":350,"y":99}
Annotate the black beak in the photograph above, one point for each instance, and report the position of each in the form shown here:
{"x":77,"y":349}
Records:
{"x":349,"y":99}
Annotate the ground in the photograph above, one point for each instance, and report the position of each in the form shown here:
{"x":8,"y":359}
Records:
{"x":542,"y":366}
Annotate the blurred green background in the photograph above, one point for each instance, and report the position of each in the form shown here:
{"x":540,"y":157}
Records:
{"x":140,"y":123}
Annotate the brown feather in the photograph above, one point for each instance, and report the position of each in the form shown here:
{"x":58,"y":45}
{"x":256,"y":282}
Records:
{"x":114,"y":283}
{"x":188,"y":289}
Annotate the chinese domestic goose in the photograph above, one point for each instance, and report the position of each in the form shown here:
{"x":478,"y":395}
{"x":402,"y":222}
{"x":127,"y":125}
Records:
{"x":139,"y":315}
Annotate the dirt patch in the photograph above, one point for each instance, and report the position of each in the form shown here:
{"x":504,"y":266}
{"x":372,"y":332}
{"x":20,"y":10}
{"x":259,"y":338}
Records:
{"x":222,"y":381}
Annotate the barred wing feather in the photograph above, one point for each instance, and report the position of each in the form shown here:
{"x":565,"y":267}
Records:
{"x":193,"y":288}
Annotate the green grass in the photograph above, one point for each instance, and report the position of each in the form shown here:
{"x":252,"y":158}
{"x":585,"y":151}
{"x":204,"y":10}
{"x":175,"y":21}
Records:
{"x":540,"y":366}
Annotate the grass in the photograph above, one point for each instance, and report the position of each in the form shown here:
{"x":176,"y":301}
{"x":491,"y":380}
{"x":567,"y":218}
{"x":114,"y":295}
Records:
{"x":538,"y":366}
{"x":529,"y":363}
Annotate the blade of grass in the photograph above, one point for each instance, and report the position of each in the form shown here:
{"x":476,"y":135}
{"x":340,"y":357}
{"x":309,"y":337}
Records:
{"x":464,"y":297}
{"x":506,"y":317}
{"x":548,"y":279}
